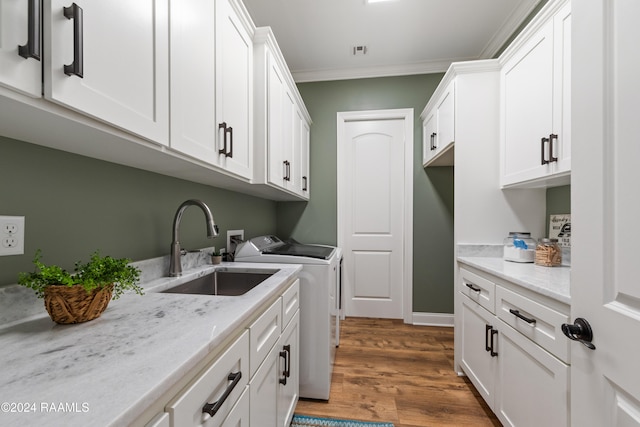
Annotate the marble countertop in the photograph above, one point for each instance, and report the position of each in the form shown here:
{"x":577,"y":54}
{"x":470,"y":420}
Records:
{"x":554,"y":282}
{"x":106,"y":372}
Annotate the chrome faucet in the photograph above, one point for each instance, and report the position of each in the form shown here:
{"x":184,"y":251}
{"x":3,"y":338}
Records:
{"x":175,"y":265}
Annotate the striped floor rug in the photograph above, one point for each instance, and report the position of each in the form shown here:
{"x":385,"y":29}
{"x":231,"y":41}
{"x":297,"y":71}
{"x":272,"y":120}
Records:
{"x":306,"y":421}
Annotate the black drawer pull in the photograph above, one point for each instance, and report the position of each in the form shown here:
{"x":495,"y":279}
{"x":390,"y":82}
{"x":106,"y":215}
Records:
{"x":520,"y":316}
{"x":473,"y":287}
{"x":212,"y":408}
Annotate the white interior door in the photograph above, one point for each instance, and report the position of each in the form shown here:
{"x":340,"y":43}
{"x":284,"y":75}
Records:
{"x":373,"y":189}
{"x":605,"y":382}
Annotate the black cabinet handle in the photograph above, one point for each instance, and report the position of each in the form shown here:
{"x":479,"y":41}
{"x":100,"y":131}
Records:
{"x":494,"y":332}
{"x":32,"y":48}
{"x":543,"y":160}
{"x":76,"y":68}
{"x":488,"y":328}
{"x":433,"y":141}
{"x":305,"y":183}
{"x":552,"y":137}
{"x":229,"y":130}
{"x":473,"y":287}
{"x":223,"y":126}
{"x":212,"y":408}
{"x":520,"y":316}
{"x":287,"y":170}
{"x":286,"y":355}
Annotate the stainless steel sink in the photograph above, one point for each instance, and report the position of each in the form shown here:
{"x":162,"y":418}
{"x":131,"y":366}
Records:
{"x":224,"y":281}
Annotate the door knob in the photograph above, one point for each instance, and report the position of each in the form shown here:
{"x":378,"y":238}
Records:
{"x":580,"y":331}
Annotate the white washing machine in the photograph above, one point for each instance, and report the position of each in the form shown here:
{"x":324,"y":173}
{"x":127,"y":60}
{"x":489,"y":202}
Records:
{"x":320,"y":293}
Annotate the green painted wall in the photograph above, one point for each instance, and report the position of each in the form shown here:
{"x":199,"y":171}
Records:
{"x":316,"y":220}
{"x":74,"y":205}
{"x":558,"y":202}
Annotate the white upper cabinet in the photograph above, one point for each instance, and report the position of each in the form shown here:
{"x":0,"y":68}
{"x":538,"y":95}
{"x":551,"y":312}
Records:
{"x":234,"y":87}
{"x":20,"y":46}
{"x":282,"y":124}
{"x":438,"y":128}
{"x":536,"y":102}
{"x":211,"y":84}
{"x":109,"y":60}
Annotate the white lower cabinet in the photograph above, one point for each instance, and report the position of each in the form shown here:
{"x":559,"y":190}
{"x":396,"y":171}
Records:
{"x":254,"y":382}
{"x":211,"y":397}
{"x":512,"y":350}
{"x":274,"y":387}
{"x":289,"y":384}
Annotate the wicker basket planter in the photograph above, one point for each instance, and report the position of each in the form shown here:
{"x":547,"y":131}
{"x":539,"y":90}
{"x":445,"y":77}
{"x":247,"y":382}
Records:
{"x":72,"y":304}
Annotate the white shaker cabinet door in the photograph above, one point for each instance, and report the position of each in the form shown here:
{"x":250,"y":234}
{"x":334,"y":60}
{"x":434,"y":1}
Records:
{"x":528,"y":95}
{"x":20,"y":48}
{"x":193,"y":93}
{"x":109,"y":60}
{"x":234,"y":56}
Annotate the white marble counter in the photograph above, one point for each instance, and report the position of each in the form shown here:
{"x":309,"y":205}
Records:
{"x":554,"y":282}
{"x":106,"y":372}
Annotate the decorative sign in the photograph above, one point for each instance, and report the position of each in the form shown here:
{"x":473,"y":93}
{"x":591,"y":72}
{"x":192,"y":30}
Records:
{"x":560,"y":228}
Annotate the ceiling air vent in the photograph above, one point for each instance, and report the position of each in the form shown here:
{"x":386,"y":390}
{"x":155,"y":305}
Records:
{"x":359,"y":50}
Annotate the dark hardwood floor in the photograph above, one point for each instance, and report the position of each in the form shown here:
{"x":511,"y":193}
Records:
{"x":387,"y":371}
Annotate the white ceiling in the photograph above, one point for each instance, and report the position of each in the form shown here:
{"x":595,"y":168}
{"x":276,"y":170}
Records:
{"x":402,"y":36}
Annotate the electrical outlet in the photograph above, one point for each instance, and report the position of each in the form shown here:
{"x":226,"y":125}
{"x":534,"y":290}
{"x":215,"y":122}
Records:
{"x":11,"y":235}
{"x":233,"y":238}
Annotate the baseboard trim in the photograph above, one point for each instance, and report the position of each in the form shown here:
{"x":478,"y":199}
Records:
{"x":432,"y":319}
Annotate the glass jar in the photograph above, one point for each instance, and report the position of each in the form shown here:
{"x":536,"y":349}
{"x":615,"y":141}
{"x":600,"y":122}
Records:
{"x":519,"y":247}
{"x":548,"y":253}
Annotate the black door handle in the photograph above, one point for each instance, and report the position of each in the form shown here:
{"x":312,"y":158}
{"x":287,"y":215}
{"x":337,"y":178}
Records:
{"x":32,"y":48}
{"x":77,"y":66}
{"x":580,"y":331}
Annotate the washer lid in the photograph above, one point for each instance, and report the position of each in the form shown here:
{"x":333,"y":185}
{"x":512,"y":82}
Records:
{"x":297,"y":249}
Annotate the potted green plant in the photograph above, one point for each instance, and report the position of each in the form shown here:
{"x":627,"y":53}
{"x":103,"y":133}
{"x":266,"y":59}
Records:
{"x":216,"y":256}
{"x":84,"y":295}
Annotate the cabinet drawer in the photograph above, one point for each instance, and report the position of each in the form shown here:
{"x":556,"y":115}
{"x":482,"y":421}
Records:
{"x":478,"y":289}
{"x":537,"y":322}
{"x":263,"y":334}
{"x":290,"y":303}
{"x":209,"y":387}
{"x":239,"y":415}
{"x":533,"y":385}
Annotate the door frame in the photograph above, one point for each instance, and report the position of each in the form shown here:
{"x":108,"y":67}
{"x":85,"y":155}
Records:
{"x":405,"y":114}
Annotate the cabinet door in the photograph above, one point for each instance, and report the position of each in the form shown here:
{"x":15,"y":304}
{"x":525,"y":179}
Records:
{"x":304,"y":158}
{"x":228,"y":374}
{"x":17,"y":72}
{"x":264,"y":391}
{"x":289,"y":369}
{"x":234,"y":54}
{"x":296,"y":164}
{"x":445,"y":133}
{"x":117,"y":53}
{"x":533,"y":385}
{"x":275,"y":139}
{"x":288,"y":131}
{"x":428,"y":138}
{"x":193,"y":111}
{"x":562,"y":90}
{"x":477,"y":362}
{"x":527,"y":99}
{"x":239,"y":415}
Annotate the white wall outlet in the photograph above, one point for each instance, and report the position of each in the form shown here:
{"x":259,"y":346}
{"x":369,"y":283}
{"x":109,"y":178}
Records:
{"x":237,"y":235}
{"x":11,"y":235}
